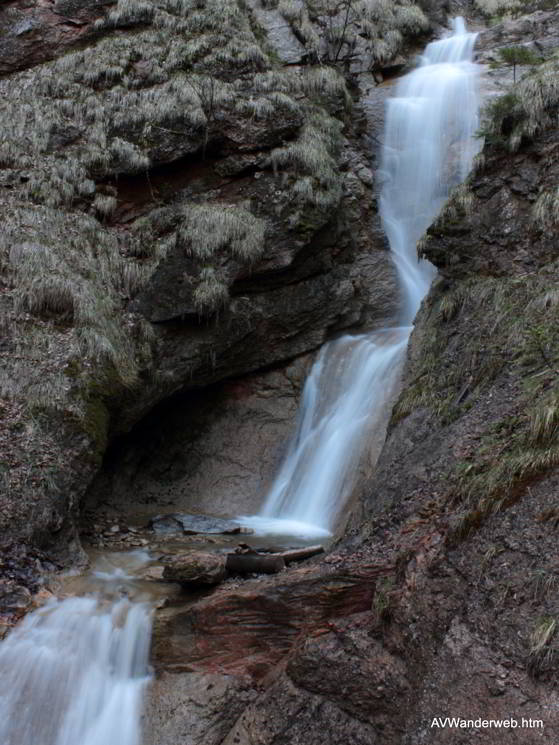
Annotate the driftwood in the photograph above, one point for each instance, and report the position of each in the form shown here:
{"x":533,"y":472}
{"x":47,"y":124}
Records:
{"x":254,"y":563}
{"x":298,"y":554}
{"x":246,"y":560}
{"x":201,"y":568}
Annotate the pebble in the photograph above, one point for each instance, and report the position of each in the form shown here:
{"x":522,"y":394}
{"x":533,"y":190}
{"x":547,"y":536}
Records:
{"x":115,"y":529}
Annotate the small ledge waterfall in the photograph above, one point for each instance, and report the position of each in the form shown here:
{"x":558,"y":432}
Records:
{"x":74,"y":672}
{"x":429,"y":146}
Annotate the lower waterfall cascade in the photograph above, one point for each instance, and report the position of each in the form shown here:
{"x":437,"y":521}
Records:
{"x":429,"y":146}
{"x":74,"y":672}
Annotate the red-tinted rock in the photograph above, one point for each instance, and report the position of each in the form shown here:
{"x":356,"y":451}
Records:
{"x":33,"y":32}
{"x":251,"y":627}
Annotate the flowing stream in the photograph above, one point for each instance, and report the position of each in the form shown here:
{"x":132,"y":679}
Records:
{"x":74,"y":672}
{"x":429,"y":145}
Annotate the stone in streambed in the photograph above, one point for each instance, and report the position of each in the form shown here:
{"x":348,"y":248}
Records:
{"x":13,"y":597}
{"x":196,"y":567}
{"x":192,"y":524}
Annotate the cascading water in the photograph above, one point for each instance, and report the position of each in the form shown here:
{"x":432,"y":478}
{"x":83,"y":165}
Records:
{"x":335,"y":421}
{"x":428,"y":148}
{"x":74,"y":672}
{"x":429,"y":145}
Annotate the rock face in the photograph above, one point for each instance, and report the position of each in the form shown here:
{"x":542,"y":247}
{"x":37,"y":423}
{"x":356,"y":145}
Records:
{"x":252,"y":627}
{"x":178,"y":213}
{"x":214,"y":451}
{"x":175,"y":701}
{"x":32,"y":33}
{"x":459,"y":543}
{"x":537,"y":31}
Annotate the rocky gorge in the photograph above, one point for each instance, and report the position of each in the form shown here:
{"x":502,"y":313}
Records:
{"x":189,"y":214}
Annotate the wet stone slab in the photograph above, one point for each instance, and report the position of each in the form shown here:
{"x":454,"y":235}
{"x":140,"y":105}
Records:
{"x":194,"y":524}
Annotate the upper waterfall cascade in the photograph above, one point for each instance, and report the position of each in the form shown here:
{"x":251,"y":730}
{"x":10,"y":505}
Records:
{"x":429,"y":146}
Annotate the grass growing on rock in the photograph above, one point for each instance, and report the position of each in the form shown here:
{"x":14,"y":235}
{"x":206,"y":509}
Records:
{"x":542,"y":653}
{"x":530,"y":107}
{"x":163,"y":80}
{"x":482,"y":331}
{"x":339,"y":33}
{"x":498,"y":10}
{"x":206,"y":229}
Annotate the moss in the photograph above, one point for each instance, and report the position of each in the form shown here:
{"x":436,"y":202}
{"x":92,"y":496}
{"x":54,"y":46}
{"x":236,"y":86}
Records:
{"x":96,"y":424}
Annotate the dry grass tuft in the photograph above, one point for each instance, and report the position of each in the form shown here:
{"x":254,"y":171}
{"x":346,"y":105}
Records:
{"x":542,"y":654}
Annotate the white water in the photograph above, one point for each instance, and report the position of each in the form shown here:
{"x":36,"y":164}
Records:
{"x":335,"y":418}
{"x":429,"y":147}
{"x":74,"y":672}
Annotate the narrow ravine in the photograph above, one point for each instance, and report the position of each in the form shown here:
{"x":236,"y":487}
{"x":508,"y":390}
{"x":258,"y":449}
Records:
{"x":429,"y":146}
{"x":75,"y":671}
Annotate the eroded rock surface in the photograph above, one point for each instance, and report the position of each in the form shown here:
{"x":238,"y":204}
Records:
{"x":166,"y":228}
{"x":462,"y":510}
{"x":215,"y":451}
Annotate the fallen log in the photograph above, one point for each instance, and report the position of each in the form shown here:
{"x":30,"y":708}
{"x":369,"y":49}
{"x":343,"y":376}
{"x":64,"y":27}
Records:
{"x":203,"y":568}
{"x":298,"y":554}
{"x":254,"y":563}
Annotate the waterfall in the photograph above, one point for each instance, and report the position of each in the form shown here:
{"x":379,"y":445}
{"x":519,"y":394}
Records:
{"x":429,"y":146}
{"x":74,"y":672}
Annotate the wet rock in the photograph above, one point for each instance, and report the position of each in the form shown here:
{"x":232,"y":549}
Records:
{"x":250,"y":627}
{"x":154,"y":573}
{"x":232,"y":433}
{"x":204,"y":706}
{"x":13,"y":597}
{"x":254,"y":563}
{"x":196,"y":568}
{"x":193,"y":524}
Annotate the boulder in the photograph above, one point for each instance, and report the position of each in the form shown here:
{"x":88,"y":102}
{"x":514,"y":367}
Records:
{"x":196,"y":568}
{"x":13,"y":597}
